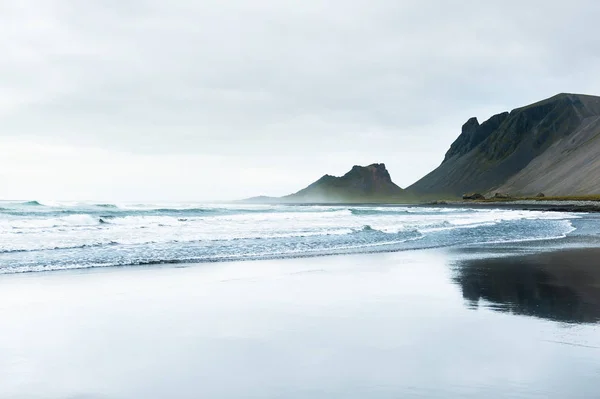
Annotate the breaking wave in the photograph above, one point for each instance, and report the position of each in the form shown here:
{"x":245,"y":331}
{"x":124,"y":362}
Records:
{"x":51,"y":236}
{"x":109,"y":206}
{"x":370,"y":212}
{"x":32,"y":203}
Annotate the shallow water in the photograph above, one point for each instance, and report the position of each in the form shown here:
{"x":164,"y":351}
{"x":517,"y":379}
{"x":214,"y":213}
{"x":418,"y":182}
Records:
{"x":433,"y":323}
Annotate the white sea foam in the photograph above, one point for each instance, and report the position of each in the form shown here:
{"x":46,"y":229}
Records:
{"x":105,"y":233}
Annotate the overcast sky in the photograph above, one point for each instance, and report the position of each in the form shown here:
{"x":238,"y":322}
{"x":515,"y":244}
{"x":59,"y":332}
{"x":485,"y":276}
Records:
{"x":214,"y":99}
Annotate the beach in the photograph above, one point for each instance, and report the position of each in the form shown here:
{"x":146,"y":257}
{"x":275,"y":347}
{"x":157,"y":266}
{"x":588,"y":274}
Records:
{"x":313,"y":200}
{"x":494,"y":321}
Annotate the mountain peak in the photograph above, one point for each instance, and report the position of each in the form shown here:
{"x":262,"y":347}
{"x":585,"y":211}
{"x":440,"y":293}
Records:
{"x":473,"y":134}
{"x":375,"y":171}
{"x":360,"y":184}
{"x":590,"y":103}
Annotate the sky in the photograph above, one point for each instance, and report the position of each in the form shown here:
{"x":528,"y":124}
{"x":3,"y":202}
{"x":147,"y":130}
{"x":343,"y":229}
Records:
{"x":215,"y":100}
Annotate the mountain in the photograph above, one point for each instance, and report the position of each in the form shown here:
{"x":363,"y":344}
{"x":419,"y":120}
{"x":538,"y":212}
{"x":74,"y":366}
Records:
{"x":361,"y":184}
{"x":262,"y":199}
{"x":552,"y":146}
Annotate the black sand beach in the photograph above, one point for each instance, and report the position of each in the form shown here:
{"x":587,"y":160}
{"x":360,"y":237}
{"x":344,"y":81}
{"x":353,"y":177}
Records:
{"x":561,"y":285}
{"x":430,"y":323}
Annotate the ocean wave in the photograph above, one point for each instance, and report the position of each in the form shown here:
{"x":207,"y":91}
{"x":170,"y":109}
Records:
{"x":370,"y":212}
{"x":182,"y":211}
{"x":39,"y":209}
{"x":45,"y":223}
{"x":389,"y":211}
{"x":58,"y":248}
{"x":110,"y":206}
{"x":368,"y":247}
{"x":364,"y":235}
{"x":84,"y":234}
{"x":369,"y":229}
{"x":153,"y":255}
{"x":32,"y":203}
{"x":450,"y":226}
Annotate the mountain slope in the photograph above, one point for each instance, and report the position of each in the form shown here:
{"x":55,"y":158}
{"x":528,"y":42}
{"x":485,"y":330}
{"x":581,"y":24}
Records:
{"x":550,"y":146}
{"x":360,"y":184}
{"x":569,"y":167}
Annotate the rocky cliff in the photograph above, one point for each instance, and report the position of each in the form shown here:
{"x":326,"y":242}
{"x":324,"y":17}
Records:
{"x":360,"y":184}
{"x":552,"y":146}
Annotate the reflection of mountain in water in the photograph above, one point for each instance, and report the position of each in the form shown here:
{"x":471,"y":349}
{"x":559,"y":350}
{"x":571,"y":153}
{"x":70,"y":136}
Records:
{"x":561,"y":286}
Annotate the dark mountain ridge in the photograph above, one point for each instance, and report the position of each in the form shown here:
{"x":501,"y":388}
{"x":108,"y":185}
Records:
{"x":487,"y":156}
{"x":361,"y":183}
{"x":552,"y":146}
{"x":371,"y":183}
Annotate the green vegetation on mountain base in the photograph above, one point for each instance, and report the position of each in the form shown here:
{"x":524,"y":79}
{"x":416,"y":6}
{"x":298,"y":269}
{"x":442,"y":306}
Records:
{"x":542,"y":199}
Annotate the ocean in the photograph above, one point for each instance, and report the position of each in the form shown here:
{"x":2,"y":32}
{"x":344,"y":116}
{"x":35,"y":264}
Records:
{"x":45,"y":236}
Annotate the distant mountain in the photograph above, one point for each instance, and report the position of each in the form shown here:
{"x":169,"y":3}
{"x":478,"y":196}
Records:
{"x":361,"y":184}
{"x":552,"y":146}
{"x":262,"y":199}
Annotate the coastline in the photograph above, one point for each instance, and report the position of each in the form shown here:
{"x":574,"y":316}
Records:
{"x":582,"y":206}
{"x":527,"y":205}
{"x":574,"y":230}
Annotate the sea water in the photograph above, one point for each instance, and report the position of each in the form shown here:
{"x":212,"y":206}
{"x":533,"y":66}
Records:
{"x":45,"y":236}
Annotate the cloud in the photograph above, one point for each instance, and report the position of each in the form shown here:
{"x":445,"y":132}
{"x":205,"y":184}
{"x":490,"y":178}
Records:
{"x":293,"y":88}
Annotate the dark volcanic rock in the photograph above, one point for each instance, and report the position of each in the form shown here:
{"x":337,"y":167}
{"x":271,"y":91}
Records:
{"x":467,"y":140}
{"x":541,"y":195}
{"x":473,"y":134}
{"x":548,"y":146}
{"x":438,"y":202}
{"x":361,"y":183}
{"x":473,"y":196}
{"x":501,"y":196}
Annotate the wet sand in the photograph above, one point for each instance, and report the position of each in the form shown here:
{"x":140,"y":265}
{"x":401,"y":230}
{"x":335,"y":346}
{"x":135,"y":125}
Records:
{"x":433,"y":323}
{"x":561,"y":285}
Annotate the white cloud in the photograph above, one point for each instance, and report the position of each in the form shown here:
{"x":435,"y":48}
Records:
{"x":289,"y":90}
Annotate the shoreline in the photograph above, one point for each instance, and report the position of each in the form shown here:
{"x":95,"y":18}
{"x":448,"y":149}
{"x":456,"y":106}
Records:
{"x":558,"y":267}
{"x":526,"y":205}
{"x":565,"y":232}
{"x":326,"y":319}
{"x":580,"y":206}
{"x":476,"y":251}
